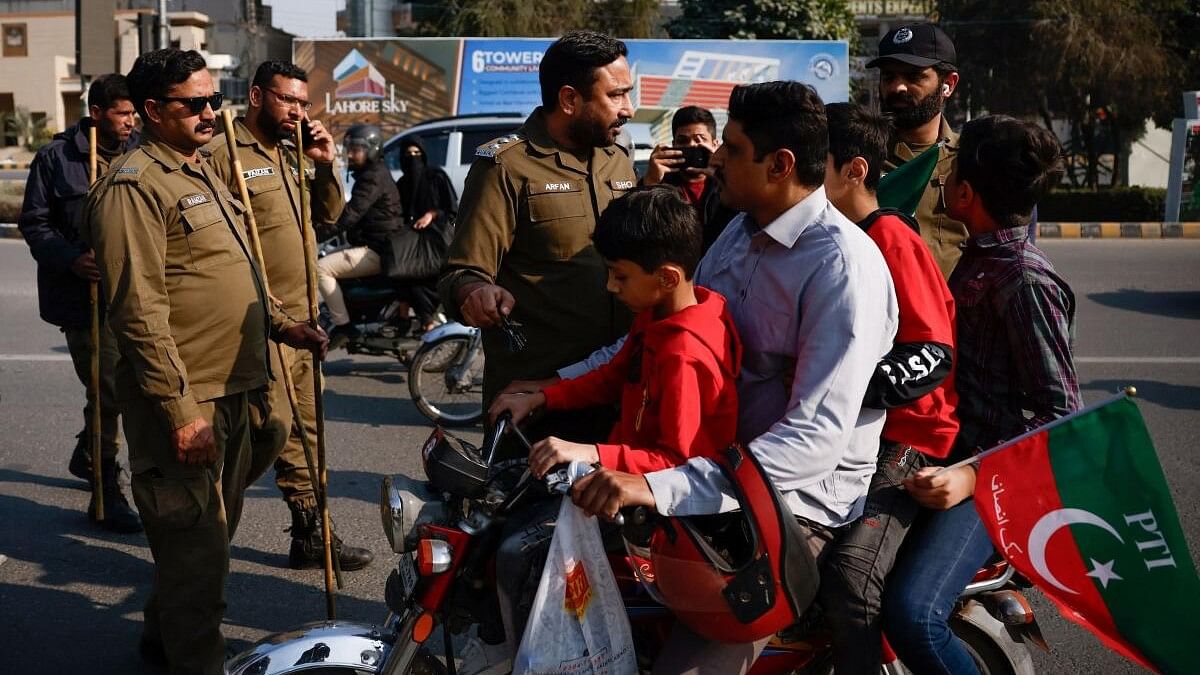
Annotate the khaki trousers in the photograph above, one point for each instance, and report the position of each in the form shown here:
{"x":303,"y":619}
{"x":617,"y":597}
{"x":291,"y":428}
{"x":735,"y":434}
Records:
{"x":276,"y":436}
{"x":190,"y":514}
{"x":348,"y":263}
{"x":79,"y":343}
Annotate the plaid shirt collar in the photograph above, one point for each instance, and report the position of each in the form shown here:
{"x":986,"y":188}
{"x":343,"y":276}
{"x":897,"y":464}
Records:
{"x":999,"y":237}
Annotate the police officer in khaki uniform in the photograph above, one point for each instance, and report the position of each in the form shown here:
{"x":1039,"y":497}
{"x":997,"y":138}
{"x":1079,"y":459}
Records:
{"x":522,"y":245}
{"x":917,"y":76}
{"x":187,"y":307}
{"x":278,"y":102}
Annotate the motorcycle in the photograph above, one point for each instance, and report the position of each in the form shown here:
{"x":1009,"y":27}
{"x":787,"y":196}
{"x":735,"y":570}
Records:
{"x":445,"y":376}
{"x":445,"y":364}
{"x":446,"y":530}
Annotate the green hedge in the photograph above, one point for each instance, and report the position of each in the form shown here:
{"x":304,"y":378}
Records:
{"x":1120,"y":205}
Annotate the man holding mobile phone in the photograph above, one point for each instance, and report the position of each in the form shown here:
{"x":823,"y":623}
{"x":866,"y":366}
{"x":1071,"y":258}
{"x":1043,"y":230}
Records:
{"x":684,"y":164}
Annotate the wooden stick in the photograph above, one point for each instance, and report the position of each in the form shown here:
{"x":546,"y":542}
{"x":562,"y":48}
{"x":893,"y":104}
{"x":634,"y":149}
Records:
{"x":256,"y":248}
{"x":94,"y":394}
{"x":310,"y":257}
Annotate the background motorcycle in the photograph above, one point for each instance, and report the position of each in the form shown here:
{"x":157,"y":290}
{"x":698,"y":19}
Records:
{"x":446,"y":532}
{"x":445,"y":364}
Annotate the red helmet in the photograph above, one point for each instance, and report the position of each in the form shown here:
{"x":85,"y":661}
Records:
{"x":730,"y":577}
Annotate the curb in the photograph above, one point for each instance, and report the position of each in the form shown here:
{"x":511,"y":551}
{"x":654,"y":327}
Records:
{"x":1045,"y":231}
{"x":1119,"y":230}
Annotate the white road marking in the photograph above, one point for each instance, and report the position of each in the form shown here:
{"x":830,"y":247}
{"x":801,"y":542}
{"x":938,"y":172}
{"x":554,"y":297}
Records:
{"x":35,"y":357}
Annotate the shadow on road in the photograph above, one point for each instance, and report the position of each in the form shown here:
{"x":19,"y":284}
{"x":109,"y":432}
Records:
{"x":1175,"y":304}
{"x":376,"y":411}
{"x":55,"y":550}
{"x":1174,"y":396}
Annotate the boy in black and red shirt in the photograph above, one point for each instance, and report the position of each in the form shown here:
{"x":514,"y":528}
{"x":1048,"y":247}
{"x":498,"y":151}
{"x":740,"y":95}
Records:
{"x":913,"y":382}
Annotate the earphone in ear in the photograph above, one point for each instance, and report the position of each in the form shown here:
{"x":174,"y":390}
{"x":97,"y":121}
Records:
{"x":945,"y":90}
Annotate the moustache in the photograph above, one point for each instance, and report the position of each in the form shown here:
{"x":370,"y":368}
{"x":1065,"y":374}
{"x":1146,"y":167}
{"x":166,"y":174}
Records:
{"x":900,"y":98}
{"x":621,"y":121}
{"x":205,"y":126}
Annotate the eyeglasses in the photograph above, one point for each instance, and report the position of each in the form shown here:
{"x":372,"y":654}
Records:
{"x":290,"y":101}
{"x":196,"y":104}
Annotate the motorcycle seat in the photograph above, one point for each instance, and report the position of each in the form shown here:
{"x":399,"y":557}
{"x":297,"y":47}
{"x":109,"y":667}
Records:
{"x":372,"y":291}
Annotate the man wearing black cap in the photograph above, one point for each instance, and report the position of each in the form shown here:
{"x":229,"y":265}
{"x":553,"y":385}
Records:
{"x":917,"y":76}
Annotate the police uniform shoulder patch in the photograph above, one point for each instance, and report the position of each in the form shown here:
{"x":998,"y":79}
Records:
{"x":493,"y":148}
{"x":128,"y":168}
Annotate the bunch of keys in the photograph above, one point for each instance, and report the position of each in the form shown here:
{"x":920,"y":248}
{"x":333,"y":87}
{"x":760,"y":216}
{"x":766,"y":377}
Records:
{"x":512,"y":332}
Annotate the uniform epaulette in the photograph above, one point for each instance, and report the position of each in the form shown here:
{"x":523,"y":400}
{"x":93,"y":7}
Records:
{"x":493,"y":148}
{"x":128,"y":169}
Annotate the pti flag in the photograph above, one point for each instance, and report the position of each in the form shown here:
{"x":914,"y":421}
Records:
{"x":902,"y":187}
{"x":1081,"y":508}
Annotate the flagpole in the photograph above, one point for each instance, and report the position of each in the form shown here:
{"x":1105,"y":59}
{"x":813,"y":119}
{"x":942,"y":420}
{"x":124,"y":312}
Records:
{"x":1127,"y":392}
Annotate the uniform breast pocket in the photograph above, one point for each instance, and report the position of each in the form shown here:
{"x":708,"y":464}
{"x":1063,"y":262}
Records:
{"x":209,"y":240}
{"x":263,"y":185}
{"x":558,"y":225}
{"x":618,"y":188}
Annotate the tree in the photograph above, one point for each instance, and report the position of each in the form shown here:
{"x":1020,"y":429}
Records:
{"x":521,"y":18}
{"x":1100,"y":65}
{"x":765,"y":20}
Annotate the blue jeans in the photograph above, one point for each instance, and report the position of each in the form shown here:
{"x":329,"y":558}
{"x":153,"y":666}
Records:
{"x":940,"y":557}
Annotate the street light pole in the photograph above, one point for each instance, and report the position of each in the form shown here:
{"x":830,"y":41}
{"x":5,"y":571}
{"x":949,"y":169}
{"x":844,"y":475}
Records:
{"x":164,"y":31}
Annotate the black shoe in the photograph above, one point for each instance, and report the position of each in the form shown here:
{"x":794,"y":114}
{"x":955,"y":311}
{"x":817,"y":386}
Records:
{"x":81,"y":459}
{"x":152,"y":652}
{"x":118,"y":515}
{"x":308,"y":549}
{"x":340,"y":335}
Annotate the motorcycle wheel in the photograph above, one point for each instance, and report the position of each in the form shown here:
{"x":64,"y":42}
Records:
{"x":434,"y":376}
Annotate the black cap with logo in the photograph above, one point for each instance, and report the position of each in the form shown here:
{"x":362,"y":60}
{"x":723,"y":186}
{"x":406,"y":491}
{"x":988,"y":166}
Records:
{"x":918,"y":44}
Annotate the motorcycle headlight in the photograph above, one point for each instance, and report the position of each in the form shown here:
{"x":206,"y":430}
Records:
{"x":404,"y":505}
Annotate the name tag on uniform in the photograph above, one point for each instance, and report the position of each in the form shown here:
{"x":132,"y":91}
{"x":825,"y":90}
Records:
{"x":566,"y":186}
{"x":194,"y":200}
{"x":622,"y":185}
{"x":259,"y":172}
{"x":126,"y":170}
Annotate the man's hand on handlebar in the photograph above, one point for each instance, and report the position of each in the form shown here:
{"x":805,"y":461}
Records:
{"x":548,"y":453}
{"x":605,"y":492}
{"x":482,"y":304}
{"x":519,"y":404}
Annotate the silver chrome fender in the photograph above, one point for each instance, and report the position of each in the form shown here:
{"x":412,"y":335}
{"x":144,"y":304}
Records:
{"x":324,"y":644}
{"x":448,"y":329}
{"x":991,"y":640}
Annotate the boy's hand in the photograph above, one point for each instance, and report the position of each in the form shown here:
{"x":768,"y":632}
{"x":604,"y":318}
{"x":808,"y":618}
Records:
{"x":551,"y":451}
{"x":521,"y":405}
{"x":941,"y":491}
{"x":529,"y":386}
{"x":605,"y":492}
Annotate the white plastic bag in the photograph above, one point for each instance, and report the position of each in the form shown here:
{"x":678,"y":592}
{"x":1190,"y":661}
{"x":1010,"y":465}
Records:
{"x":578,"y":624}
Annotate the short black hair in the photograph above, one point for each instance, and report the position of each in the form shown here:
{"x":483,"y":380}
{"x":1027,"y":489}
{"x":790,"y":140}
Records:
{"x":572,"y":61}
{"x":269,"y":69}
{"x":693,"y":114}
{"x":651,"y":225}
{"x":106,"y":90}
{"x":784,"y":115}
{"x":858,"y":131}
{"x":1010,"y":163}
{"x":155,"y":72}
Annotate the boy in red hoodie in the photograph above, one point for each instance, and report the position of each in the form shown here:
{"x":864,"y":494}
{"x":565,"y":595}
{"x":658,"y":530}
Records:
{"x":674,"y":378}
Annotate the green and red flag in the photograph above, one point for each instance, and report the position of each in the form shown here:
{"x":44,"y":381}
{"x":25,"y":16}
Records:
{"x":1081,"y":508}
{"x":902,"y":187}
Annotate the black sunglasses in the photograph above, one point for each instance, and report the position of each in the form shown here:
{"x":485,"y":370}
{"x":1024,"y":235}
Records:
{"x":196,"y":104}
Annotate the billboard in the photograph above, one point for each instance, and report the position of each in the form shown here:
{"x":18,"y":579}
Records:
{"x":399,"y":82}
